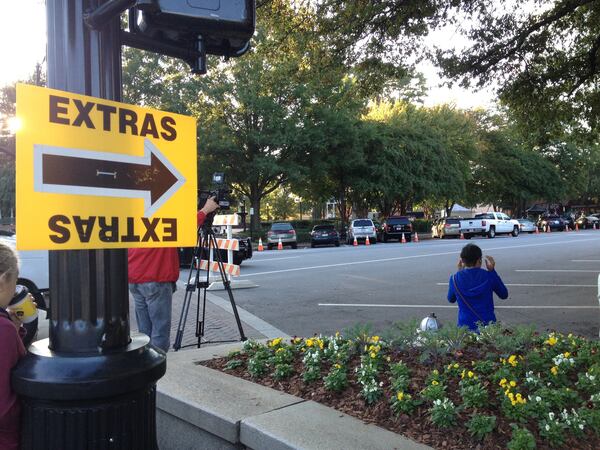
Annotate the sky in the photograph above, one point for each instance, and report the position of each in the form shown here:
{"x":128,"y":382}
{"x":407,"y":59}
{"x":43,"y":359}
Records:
{"x":23,"y":43}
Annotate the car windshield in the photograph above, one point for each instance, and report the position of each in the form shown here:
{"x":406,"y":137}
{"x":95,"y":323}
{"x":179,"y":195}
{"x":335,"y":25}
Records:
{"x":524,"y":221}
{"x":281,"y":226}
{"x":453,"y":221}
{"x":362,"y":223}
{"x":398,"y":221}
{"x":324,"y":228}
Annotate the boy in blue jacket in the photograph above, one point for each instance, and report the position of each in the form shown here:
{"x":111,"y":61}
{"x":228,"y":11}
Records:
{"x":473,"y":288}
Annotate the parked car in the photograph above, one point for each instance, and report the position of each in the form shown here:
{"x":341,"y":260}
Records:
{"x":587,"y":222}
{"x":284,"y":231}
{"x":489,"y":224}
{"x":446,"y":227}
{"x":394,"y":227}
{"x":360,"y":229}
{"x":245,"y":252}
{"x":527,"y":226}
{"x":324,"y":235}
{"x":553,"y":222}
{"x":33,"y":271}
{"x":569,"y":221}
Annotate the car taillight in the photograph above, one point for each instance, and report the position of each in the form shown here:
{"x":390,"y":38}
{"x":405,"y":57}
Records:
{"x":270,"y":233}
{"x":483,"y":223}
{"x":292,"y":231}
{"x":374,"y":230}
{"x":447,"y":225}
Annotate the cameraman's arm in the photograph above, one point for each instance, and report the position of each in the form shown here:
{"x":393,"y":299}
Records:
{"x":209,"y":207}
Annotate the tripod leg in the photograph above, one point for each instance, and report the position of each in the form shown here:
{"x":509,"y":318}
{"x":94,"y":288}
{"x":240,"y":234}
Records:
{"x":189,"y":288}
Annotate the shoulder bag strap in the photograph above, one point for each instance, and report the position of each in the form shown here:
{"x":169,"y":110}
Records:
{"x":464,"y":300}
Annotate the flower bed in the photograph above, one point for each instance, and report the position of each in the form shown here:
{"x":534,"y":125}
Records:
{"x":449,"y":389}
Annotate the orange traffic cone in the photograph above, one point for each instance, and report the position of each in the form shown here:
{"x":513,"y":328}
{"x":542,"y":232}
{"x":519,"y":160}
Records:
{"x":537,"y":230}
{"x":462,"y":236}
{"x":594,"y":226}
{"x":576,"y":226}
{"x":367,"y":241}
{"x":403,"y":239}
{"x":355,"y":243}
{"x":279,"y":245}
{"x":260,"y":245}
{"x":416,"y":237}
{"x":567,"y":228}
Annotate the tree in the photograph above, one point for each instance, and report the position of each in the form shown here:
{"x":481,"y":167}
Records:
{"x":545,"y":58}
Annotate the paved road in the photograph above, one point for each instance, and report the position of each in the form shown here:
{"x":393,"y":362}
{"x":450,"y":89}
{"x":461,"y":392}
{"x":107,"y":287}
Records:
{"x":552,"y":281}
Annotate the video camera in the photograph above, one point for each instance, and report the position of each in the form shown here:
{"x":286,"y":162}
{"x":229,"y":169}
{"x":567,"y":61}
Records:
{"x":219,"y":190}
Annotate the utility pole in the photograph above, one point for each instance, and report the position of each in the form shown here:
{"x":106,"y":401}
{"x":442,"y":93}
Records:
{"x":90,"y":385}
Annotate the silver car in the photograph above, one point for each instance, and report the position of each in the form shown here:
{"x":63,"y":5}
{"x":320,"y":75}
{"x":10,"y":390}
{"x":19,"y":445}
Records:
{"x":527,"y":226}
{"x":284,"y":232}
{"x":361,"y":229}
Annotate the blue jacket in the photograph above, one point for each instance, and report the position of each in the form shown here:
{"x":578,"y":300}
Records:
{"x":477,"y":286}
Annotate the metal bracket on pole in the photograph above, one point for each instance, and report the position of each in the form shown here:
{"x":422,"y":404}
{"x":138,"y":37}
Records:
{"x":101,"y":16}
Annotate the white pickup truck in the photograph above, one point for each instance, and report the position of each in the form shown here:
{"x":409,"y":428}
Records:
{"x":489,"y":224}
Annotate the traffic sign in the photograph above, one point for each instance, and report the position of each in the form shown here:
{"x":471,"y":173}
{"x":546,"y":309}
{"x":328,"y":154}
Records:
{"x":93,"y":173}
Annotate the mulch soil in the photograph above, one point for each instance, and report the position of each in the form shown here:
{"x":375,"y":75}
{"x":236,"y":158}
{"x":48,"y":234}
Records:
{"x":417,"y":426}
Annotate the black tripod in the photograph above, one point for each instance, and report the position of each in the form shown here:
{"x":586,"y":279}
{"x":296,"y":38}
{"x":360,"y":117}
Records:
{"x":206,"y":240}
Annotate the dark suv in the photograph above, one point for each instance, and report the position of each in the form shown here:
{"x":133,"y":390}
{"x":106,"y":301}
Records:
{"x":393,"y":228}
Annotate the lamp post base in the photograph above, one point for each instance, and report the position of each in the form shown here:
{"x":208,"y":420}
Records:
{"x":103,"y":401}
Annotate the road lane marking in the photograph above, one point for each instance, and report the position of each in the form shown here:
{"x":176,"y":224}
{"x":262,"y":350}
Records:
{"x":539,"y":285}
{"x":585,"y":260}
{"x":557,"y":270}
{"x":399,"y":258}
{"x":273,"y":259}
{"x":367,"y":305}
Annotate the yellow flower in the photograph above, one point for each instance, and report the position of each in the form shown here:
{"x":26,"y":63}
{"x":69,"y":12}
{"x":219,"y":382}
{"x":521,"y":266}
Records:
{"x":434,"y":383}
{"x":512,"y":360}
{"x":435,"y":372}
{"x":275,"y":342}
{"x":338,"y":366}
{"x":373,"y":355}
{"x":388,"y":359}
{"x":310,"y":342}
{"x":511,"y":396}
{"x":513,"y":402}
{"x":462,"y":374}
{"x":551,"y":341}
{"x":279,"y":350}
{"x":503,"y":381}
{"x":513,"y":383}
{"x":375,"y":339}
{"x":470,"y":374}
{"x":567,"y":354}
{"x":337,"y":334}
{"x":320,"y":344}
{"x":400,"y":395}
{"x":297,"y":340}
{"x":554,"y":370}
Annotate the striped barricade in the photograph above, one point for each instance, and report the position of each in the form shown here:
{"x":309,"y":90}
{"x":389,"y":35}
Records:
{"x":228,"y":219}
{"x":228,"y":244}
{"x":230,"y":269}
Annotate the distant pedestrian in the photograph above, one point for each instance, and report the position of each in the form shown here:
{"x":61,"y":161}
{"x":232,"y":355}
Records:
{"x":473,"y":288}
{"x":11,"y":333}
{"x":153,"y":275}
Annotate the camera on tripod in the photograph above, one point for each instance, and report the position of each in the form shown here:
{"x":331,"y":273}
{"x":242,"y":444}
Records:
{"x":219,"y":191}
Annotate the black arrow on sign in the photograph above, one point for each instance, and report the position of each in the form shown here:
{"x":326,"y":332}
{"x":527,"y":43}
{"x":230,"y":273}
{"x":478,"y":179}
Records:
{"x":83,"y":172}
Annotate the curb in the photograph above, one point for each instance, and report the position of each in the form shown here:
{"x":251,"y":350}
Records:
{"x":201,"y":408}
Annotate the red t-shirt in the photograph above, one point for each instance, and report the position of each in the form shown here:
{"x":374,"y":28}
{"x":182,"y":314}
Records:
{"x":10,"y":409}
{"x":161,"y":265}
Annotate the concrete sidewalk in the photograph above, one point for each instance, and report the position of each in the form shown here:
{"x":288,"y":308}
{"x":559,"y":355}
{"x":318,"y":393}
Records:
{"x":220,"y":325}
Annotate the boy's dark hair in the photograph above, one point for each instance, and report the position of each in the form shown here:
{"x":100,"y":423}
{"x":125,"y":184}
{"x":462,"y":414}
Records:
{"x":470,"y":254}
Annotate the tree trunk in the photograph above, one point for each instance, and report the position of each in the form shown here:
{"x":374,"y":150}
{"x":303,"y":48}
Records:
{"x":255,"y":219}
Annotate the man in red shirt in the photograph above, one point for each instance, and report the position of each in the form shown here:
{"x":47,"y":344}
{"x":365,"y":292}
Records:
{"x":153,"y":274}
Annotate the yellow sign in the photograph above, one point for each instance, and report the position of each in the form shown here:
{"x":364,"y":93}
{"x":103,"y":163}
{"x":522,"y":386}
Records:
{"x":93,"y":173}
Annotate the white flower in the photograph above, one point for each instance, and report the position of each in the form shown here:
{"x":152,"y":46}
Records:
{"x":538,"y":398}
{"x":551,"y":415}
{"x":547,"y":427}
{"x":581,"y":426}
